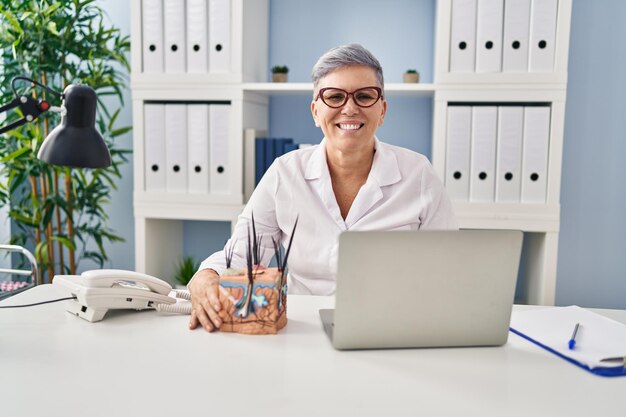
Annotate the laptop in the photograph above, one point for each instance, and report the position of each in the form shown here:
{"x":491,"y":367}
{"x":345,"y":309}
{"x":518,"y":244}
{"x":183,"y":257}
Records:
{"x":419,"y":289}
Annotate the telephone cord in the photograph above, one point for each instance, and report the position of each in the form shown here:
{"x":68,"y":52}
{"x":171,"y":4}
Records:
{"x":182,"y":306}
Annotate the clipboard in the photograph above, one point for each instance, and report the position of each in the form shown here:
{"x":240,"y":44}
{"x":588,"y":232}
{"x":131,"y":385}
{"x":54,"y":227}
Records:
{"x":601,"y":339}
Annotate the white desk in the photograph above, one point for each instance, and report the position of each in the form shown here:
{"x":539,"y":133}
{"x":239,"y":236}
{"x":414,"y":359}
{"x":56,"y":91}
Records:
{"x":146,"y":364}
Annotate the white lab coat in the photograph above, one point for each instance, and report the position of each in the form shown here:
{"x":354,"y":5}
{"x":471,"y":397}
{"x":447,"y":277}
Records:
{"x":402,"y":192}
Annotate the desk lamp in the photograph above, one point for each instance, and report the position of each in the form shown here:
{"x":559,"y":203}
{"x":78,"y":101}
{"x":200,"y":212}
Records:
{"x":75,"y":142}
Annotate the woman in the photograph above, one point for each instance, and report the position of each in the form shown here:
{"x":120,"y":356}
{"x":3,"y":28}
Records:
{"x":350,"y":181}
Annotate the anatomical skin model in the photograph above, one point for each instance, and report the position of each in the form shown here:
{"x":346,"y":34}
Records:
{"x":254,"y":299}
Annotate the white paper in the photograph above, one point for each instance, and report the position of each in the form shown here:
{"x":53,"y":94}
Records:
{"x":598,"y":337}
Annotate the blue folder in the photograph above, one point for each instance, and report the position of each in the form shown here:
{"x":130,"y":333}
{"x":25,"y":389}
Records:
{"x":259,"y":159}
{"x":280,"y":146}
{"x":266,"y":150}
{"x":290,"y":147}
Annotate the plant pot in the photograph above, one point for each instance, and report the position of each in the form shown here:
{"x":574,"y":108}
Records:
{"x":279,"y":77}
{"x":410,"y":77}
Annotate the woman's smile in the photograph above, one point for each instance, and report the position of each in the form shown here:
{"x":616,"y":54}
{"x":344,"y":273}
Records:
{"x":350,"y":125}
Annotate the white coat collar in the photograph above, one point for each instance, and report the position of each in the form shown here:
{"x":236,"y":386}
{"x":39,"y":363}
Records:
{"x":384,"y":171}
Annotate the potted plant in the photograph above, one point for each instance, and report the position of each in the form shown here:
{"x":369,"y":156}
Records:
{"x":60,"y":212}
{"x":279,"y":73}
{"x":185,"y":269}
{"x":411,"y":76}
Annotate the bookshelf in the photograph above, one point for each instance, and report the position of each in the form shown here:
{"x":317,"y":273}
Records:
{"x":540,"y":222}
{"x":159,"y":216}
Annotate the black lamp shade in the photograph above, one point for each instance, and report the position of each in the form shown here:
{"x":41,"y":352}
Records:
{"x":76,"y":142}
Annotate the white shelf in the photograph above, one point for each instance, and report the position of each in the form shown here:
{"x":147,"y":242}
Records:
{"x":143,"y":81}
{"x":183,"y":199}
{"x":185,"y":207}
{"x":531,"y":93}
{"x":492,"y":80}
{"x":391,"y":89}
{"x":152,"y":86}
{"x":527,"y":217}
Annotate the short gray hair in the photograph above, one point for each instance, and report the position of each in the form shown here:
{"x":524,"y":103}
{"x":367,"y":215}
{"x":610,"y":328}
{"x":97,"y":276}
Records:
{"x":343,"y":56}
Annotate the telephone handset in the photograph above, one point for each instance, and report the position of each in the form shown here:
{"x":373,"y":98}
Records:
{"x":98,"y":291}
{"x":106,"y":278}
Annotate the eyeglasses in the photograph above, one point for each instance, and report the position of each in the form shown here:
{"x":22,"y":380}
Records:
{"x":336,"y":97}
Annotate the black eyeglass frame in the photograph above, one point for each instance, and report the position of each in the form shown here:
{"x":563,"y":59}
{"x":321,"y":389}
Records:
{"x":348,"y":94}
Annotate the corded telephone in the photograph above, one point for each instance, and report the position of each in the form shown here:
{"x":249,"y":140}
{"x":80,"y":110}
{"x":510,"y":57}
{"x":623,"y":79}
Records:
{"x":98,"y":291}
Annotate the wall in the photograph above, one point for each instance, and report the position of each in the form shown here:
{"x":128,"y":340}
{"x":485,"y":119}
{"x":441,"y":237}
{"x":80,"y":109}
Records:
{"x":592,"y":262}
{"x":591,"y":266}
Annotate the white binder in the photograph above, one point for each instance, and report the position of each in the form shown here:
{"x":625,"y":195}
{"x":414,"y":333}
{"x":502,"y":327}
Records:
{"x":535,"y":155}
{"x":509,"y":154}
{"x":483,"y":154}
{"x":489,"y":35}
{"x":543,"y":15}
{"x":152,"y":35}
{"x":463,"y":36}
{"x":174,"y":19}
{"x":198,"y":148}
{"x":515,"y":39}
{"x":176,"y":147}
{"x":154,"y":147}
{"x":219,"y":153}
{"x":197,"y":36}
{"x":219,"y":36}
{"x":458,"y":152}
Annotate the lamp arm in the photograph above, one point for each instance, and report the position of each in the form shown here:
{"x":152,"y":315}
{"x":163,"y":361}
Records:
{"x":13,"y":125}
{"x":30,"y":108}
{"x":10,"y":105}
{"x":45,"y":87}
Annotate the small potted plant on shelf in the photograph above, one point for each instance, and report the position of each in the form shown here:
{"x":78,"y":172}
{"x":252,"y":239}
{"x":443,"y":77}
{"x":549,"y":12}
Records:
{"x":279,"y":73}
{"x":185,"y":269}
{"x":411,"y":76}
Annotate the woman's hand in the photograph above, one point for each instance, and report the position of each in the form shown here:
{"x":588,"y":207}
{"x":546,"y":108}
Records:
{"x":205,"y":302}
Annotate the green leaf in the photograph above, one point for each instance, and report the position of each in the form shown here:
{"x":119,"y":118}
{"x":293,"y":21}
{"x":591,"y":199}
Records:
{"x":14,"y":155}
{"x":50,"y":10}
{"x":21,"y":218}
{"x":25,"y":16}
{"x":185,"y":269}
{"x":41,"y":251}
{"x":65,"y":242}
{"x":120,"y":131}
{"x":52,"y":27}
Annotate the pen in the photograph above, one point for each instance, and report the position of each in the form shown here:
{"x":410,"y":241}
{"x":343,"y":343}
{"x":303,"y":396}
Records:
{"x":572,"y":340}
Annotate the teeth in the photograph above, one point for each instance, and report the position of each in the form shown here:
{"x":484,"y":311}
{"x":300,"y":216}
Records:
{"x":349,"y":126}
